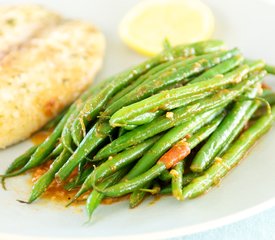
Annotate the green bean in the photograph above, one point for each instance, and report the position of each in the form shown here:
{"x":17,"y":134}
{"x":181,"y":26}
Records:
{"x":78,"y":181}
{"x":161,"y":100}
{"x":187,"y":178}
{"x":23,"y":159}
{"x":124,"y":188}
{"x":144,"y":118}
{"x":178,"y":116}
{"x":256,"y":65}
{"x":95,"y":197}
{"x":197,"y":48}
{"x":269,"y":96}
{"x":137,"y":196}
{"x":166,"y":190}
{"x":57,"y":150}
{"x":230,"y":159}
{"x":270,"y":69}
{"x":221,"y":68}
{"x":114,"y":164}
{"x":45,"y":180}
{"x":165,"y":176}
{"x":176,"y":182}
{"x":80,"y":169}
{"x":66,"y":137}
{"x":173,"y":136}
{"x":150,"y":116}
{"x":222,"y":135}
{"x":130,"y":127}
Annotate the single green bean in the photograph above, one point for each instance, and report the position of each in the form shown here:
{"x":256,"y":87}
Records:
{"x":176,"y":183}
{"x":66,"y":137}
{"x":57,"y":151}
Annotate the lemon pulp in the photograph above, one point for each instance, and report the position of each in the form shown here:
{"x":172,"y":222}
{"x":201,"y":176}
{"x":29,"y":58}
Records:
{"x":180,"y":21}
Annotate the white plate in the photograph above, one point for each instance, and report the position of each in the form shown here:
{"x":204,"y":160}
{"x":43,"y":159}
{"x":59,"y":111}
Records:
{"x":247,"y":190}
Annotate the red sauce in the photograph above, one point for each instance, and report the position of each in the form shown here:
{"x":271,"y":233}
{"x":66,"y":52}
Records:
{"x":56,"y":191}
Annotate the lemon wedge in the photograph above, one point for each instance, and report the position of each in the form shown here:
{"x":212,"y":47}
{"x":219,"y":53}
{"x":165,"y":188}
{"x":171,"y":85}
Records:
{"x":146,"y":26}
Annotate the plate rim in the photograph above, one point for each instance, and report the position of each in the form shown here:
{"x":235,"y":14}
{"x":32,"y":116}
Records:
{"x":178,"y":232}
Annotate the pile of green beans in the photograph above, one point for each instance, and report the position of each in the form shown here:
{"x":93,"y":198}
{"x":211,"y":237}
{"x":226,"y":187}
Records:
{"x":174,"y":124}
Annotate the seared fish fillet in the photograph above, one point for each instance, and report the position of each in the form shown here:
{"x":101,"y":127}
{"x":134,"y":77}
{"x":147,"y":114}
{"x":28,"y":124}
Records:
{"x":45,"y":74}
{"x":18,"y":23}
